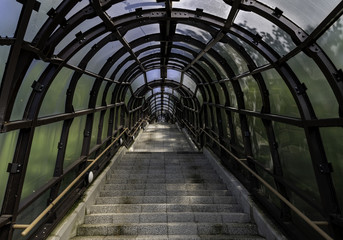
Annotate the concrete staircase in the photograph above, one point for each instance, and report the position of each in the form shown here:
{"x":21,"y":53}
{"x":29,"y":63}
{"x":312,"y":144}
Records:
{"x":165,"y":195}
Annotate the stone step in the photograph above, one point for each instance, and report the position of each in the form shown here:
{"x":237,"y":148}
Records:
{"x":196,"y":217}
{"x":167,"y":199}
{"x":166,"y":229}
{"x":167,"y":186}
{"x":137,"y":208}
{"x":179,"y":180}
{"x":172,"y":237}
{"x":116,"y":193}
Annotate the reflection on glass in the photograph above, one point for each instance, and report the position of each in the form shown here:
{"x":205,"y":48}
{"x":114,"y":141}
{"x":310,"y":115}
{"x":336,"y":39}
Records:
{"x":54,"y":100}
{"x":137,"y":83}
{"x":251,"y":93}
{"x":295,"y":157}
{"x":318,"y":89}
{"x":233,"y":59}
{"x":332,"y":42}
{"x":216,"y":7}
{"x":189,"y":83}
{"x":281,"y":99}
{"x":127,"y":96}
{"x":148,"y":94}
{"x":75,"y":140}
{"x":194,"y":32}
{"x":199,"y":97}
{"x":232,"y":95}
{"x":76,"y":8}
{"x":82,"y":90}
{"x":42,"y":158}
{"x":253,"y":53}
{"x":153,"y":75}
{"x":33,"y":73}
{"x":332,"y":140}
{"x":306,"y":13}
{"x":274,"y":36}
{"x":216,"y":64}
{"x":141,"y":31}
{"x":237,"y":129}
{"x":128,"y":6}
{"x":7,"y":145}
{"x":109,"y":94}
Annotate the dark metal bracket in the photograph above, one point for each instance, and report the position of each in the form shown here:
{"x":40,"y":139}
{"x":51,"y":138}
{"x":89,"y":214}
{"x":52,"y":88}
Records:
{"x":14,"y":168}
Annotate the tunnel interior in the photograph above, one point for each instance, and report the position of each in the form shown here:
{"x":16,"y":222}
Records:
{"x":262,"y":80}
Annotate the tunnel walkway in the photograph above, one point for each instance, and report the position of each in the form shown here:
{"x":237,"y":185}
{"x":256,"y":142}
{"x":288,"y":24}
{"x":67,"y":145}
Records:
{"x":164,"y":190}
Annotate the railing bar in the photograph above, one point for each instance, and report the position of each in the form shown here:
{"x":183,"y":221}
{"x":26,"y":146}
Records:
{"x":51,"y":205}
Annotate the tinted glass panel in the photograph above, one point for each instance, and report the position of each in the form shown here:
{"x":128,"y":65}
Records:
{"x":251,"y":93}
{"x":10,"y":18}
{"x":318,"y":89}
{"x":142,"y":31}
{"x":105,"y":125}
{"x":153,"y":75}
{"x":189,"y":83}
{"x":193,"y":32}
{"x":95,"y":130}
{"x":4,"y":51}
{"x":101,"y":94}
{"x":81,"y":95}
{"x":75,"y":140}
{"x":54,"y":100}
{"x":131,"y":5}
{"x":232,"y":95}
{"x":137,"y":83}
{"x":33,"y":73}
{"x":7,"y":145}
{"x":41,"y":166}
{"x":281,"y":99}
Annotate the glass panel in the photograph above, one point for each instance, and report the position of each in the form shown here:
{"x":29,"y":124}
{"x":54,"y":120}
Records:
{"x":332,"y":140}
{"x":153,"y":75}
{"x":281,"y":99}
{"x":33,"y":73}
{"x":332,"y":42}
{"x":216,"y":64}
{"x":127,"y":96}
{"x":215,"y":7}
{"x":145,"y":45}
{"x":100,"y":58}
{"x":105,"y":125}
{"x":137,"y":83}
{"x":220,"y":94}
{"x":168,"y":90}
{"x":177,"y":94}
{"x":76,"y":8}
{"x":148,"y":94}
{"x":9,"y":19}
{"x":232,"y":95}
{"x":274,"y":36}
{"x":83,"y":27}
{"x":75,"y":60}
{"x":193,"y":32}
{"x":251,"y":93}
{"x":157,"y":90}
{"x":81,"y":95}
{"x":253,"y":53}
{"x":235,"y":61}
{"x":131,"y":5}
{"x":173,"y":75}
{"x":38,"y":18}
{"x":200,"y":98}
{"x":95,"y":130}
{"x":101,"y":94}
{"x":142,"y":31}
{"x":8,"y":143}
{"x":109,"y":94}
{"x":54,"y":100}
{"x":75,"y":141}
{"x":42,"y":158}
{"x":189,"y":83}
{"x":318,"y":89}
{"x":237,"y":128}
{"x":125,"y":67}
{"x":115,"y":65}
{"x":188,"y":45}
{"x":182,"y":53}
{"x":295,"y":157}
{"x":4,"y":51}
{"x":208,"y":70}
{"x":306,"y":13}
{"x":259,"y":142}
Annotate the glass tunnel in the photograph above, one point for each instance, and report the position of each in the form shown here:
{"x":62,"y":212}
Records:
{"x":255,"y":80}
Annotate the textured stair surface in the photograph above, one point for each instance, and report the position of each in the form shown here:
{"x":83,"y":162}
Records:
{"x":165,"y":195}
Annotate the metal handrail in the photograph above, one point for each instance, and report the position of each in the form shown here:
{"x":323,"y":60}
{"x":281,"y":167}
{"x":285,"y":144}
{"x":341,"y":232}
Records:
{"x":140,"y":124}
{"x":273,"y":190}
{"x":29,"y":227}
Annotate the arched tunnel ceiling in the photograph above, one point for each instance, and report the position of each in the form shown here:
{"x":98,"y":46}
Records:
{"x":257,"y":74}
